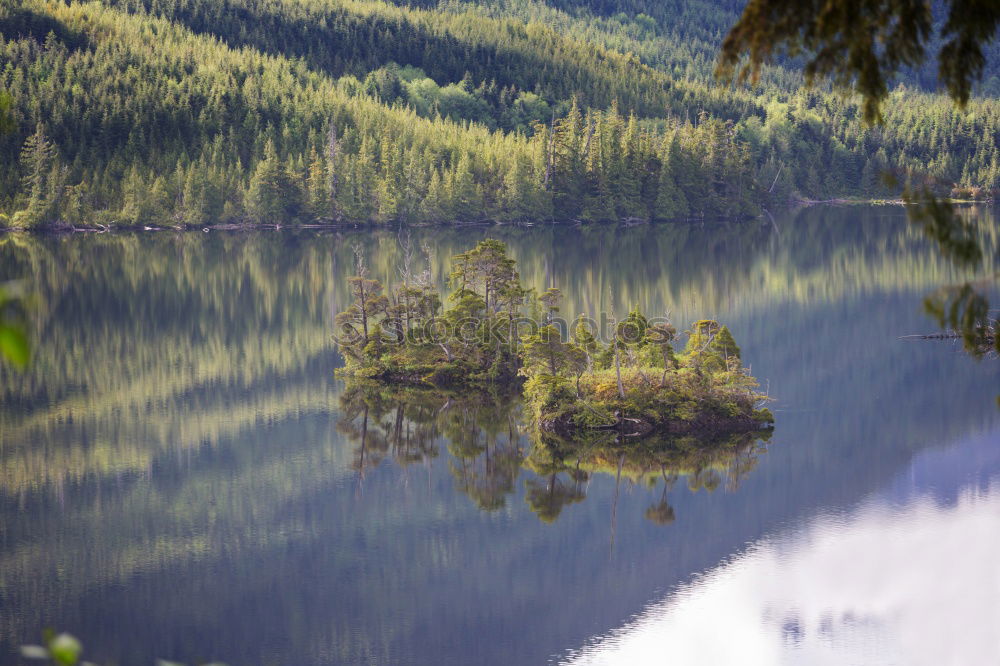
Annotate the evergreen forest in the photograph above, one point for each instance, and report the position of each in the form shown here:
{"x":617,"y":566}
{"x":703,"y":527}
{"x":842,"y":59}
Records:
{"x":188,"y":113}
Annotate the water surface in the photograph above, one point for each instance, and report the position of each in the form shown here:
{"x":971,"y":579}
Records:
{"x":182,"y":477}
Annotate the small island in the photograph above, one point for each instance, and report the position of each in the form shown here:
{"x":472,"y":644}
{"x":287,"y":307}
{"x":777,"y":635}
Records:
{"x":496,"y":333}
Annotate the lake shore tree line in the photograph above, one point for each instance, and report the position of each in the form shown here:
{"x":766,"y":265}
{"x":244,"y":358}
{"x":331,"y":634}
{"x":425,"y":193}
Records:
{"x":174,"y":114}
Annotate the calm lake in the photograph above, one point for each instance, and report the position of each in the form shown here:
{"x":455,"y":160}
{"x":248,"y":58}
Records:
{"x":183,"y":477}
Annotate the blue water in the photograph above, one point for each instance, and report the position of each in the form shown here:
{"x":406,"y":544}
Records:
{"x":180,"y":477}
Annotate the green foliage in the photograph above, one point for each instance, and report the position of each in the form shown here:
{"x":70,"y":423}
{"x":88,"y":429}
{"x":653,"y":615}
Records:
{"x":42,"y":182}
{"x":273,"y":196}
{"x":399,"y":336}
{"x":360,"y":322}
{"x":198,"y":111}
{"x":7,"y":122}
{"x":257,"y":150}
{"x":863,"y":43}
{"x":405,"y":424}
{"x":545,"y":352}
{"x":724,"y":345}
{"x":584,"y":337}
{"x":647,"y":387}
{"x":700,"y":336}
{"x":63,"y":649}
{"x":486,"y":271}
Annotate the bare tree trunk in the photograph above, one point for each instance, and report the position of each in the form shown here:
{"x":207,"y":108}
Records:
{"x":550,"y":152}
{"x":775,"y":181}
{"x":364,"y":309}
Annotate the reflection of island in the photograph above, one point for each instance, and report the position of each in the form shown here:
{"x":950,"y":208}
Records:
{"x":482,"y":429}
{"x":484,"y":437}
{"x":564,"y":467}
{"x":388,"y":424}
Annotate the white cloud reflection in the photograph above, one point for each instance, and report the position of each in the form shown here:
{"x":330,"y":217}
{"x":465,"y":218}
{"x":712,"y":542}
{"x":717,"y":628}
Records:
{"x":911,"y":585}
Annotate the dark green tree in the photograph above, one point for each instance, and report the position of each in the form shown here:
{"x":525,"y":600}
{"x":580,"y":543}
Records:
{"x":42,"y":182}
{"x":273,"y":197}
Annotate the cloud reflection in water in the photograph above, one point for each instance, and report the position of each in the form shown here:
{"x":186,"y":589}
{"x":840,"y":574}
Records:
{"x":910,"y":583}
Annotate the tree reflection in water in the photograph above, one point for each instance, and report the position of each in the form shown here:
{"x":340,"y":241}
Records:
{"x":489,"y":446}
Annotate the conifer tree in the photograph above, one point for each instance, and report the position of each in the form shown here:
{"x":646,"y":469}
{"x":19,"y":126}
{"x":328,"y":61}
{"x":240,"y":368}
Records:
{"x":332,"y":171}
{"x":628,"y":170}
{"x":464,"y":193}
{"x":670,"y":200}
{"x":41,"y":180}
{"x":545,"y":352}
{"x":569,"y":167}
{"x":724,"y":345}
{"x":318,"y":204}
{"x":520,"y":197}
{"x":599,"y":204}
{"x":433,"y":208}
{"x":272,"y":196}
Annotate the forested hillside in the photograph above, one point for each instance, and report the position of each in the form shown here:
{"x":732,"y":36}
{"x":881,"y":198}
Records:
{"x":171,"y":112}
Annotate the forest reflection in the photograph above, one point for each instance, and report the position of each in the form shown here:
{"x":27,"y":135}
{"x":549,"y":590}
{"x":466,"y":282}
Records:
{"x":180,"y":430}
{"x":490,"y":448}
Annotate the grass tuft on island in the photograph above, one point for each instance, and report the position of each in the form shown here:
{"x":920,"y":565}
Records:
{"x":497,"y":333}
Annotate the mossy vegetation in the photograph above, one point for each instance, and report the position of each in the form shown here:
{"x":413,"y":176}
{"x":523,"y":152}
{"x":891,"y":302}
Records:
{"x":495,"y":332}
{"x":637,"y":384}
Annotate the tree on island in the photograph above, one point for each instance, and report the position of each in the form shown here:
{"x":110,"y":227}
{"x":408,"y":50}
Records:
{"x":659,"y":337}
{"x":485,"y":270}
{"x":545,"y":351}
{"x":368,"y":302}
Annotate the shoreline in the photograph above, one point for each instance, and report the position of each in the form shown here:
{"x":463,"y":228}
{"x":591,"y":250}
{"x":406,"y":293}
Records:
{"x":792,"y":204}
{"x":882,"y":202}
{"x":355,"y":226}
